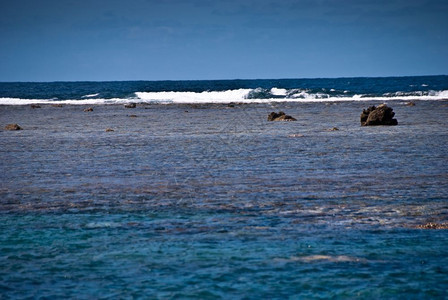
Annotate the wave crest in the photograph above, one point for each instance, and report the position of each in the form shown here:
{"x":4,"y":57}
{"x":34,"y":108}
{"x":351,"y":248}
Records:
{"x":258,"y":95}
{"x":194,"y":97}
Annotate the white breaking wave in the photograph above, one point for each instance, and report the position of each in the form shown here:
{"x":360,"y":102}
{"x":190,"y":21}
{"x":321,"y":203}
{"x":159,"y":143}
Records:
{"x":309,"y":96}
{"x":442,"y":94}
{"x":242,"y":95}
{"x":18,"y":101}
{"x":279,"y":92}
{"x":239,"y":95}
{"x":90,"y":96}
{"x":192,"y":97}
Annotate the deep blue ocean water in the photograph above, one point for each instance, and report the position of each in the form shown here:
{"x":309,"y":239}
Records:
{"x":194,"y":194}
{"x":337,"y":89}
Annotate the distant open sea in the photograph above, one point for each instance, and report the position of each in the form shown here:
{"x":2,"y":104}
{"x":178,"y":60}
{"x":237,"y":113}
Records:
{"x":225,"y":91}
{"x":193,"y":194}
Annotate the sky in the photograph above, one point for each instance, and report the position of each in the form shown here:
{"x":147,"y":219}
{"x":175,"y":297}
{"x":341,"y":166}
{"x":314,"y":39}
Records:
{"x":102,"y":40}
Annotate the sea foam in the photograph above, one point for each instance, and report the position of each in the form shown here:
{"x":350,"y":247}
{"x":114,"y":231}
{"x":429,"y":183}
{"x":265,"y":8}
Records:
{"x":19,"y":101}
{"x":258,"y":95}
{"x":193,"y":97}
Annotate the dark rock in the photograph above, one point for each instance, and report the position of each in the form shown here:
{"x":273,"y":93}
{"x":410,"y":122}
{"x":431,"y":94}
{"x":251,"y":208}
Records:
{"x":280,"y":116}
{"x":365,"y":114}
{"x":56,"y":105}
{"x":133,"y":116}
{"x":109,"y":130}
{"x":333,"y":129}
{"x":130,"y":105}
{"x":13,"y":127}
{"x":381,"y":115}
{"x":410,"y":103}
{"x":35,"y":106}
{"x":88,"y":109}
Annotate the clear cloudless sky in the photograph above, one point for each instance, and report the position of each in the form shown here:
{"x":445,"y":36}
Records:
{"x":76,"y":40}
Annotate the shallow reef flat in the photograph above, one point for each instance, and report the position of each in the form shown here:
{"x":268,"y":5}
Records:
{"x":213,"y":200}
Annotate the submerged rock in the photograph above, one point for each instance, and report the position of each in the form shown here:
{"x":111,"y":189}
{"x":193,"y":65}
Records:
{"x":433,"y":226}
{"x":280,"y":116}
{"x":130,"y":105}
{"x":381,"y":115}
{"x":13,"y":127}
{"x":88,"y":109}
{"x":35,"y":106}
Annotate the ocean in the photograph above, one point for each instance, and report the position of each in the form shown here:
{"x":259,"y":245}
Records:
{"x":193,"y":194}
{"x":225,"y":91}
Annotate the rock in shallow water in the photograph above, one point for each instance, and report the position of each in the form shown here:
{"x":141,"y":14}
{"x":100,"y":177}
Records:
{"x":130,"y":105}
{"x":280,"y":116}
{"x":13,"y":127}
{"x":381,"y":115}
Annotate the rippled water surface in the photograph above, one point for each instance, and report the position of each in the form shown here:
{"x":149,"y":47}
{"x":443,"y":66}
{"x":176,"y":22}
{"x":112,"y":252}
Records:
{"x":208,"y":201}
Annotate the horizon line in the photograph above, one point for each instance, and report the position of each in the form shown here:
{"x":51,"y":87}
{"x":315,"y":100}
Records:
{"x":225,"y":79}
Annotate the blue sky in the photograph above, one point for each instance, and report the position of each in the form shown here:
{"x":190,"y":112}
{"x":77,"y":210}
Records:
{"x":70,"y":40}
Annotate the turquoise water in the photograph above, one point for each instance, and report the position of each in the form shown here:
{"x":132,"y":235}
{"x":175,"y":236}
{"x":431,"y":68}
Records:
{"x":212,"y":201}
{"x":214,"y":254}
